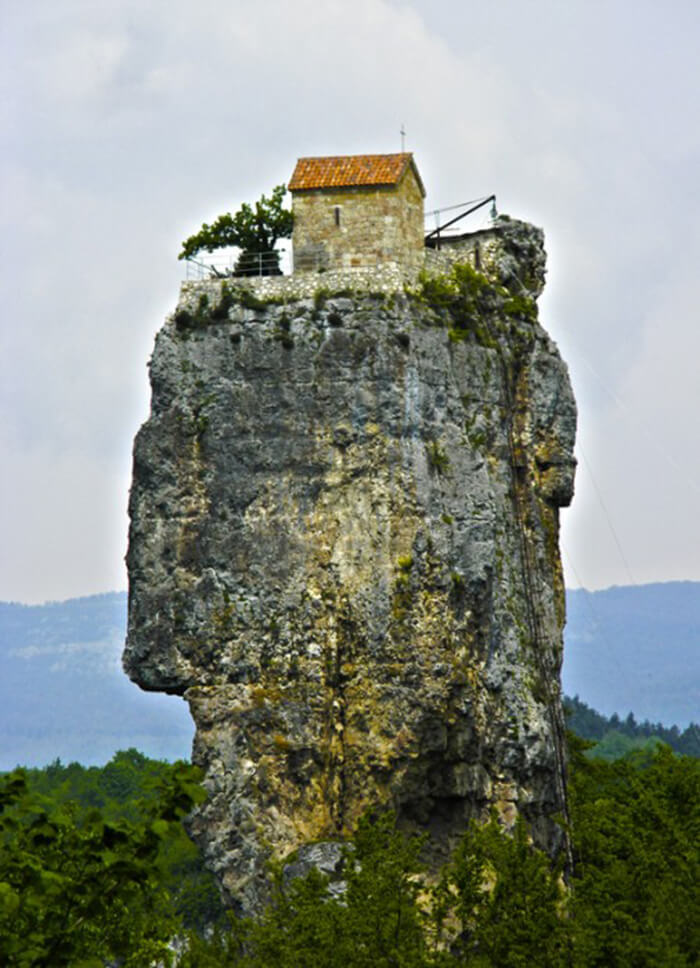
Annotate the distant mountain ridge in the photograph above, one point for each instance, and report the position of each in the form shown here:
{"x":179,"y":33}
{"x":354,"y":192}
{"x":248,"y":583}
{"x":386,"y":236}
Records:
{"x":636,"y":648}
{"x":63,"y":693}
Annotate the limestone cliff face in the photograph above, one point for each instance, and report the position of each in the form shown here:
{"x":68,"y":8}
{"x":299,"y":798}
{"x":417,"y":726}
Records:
{"x":344,"y":554}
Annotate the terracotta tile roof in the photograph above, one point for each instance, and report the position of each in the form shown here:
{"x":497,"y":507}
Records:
{"x":348,"y":171}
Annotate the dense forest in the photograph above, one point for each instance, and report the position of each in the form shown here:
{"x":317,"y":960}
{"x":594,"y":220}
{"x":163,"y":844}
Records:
{"x":95,"y":868}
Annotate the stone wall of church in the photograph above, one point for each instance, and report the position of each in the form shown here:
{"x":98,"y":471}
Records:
{"x":351,"y":227}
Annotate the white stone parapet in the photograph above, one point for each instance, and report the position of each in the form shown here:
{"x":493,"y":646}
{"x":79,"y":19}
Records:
{"x":386,"y":278}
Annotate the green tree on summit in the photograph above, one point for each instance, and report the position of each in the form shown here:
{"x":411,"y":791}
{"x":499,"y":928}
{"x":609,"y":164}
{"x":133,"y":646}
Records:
{"x":253,"y":229}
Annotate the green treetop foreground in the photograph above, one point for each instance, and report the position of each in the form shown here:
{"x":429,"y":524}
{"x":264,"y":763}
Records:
{"x":91,"y":871}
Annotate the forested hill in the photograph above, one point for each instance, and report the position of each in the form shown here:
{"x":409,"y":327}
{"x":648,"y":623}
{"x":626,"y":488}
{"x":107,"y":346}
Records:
{"x":63,"y":693}
{"x":615,"y":737}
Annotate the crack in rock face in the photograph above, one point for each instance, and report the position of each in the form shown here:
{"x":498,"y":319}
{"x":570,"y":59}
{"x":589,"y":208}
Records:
{"x":344,"y":554}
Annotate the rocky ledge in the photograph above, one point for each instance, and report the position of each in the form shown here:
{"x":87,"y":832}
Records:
{"x":344,"y":554}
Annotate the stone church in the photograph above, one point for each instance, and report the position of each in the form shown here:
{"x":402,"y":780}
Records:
{"x":356,"y":210}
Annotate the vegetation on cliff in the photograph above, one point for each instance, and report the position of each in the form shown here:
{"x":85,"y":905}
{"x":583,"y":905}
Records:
{"x":95,"y":865}
{"x":473,"y":306}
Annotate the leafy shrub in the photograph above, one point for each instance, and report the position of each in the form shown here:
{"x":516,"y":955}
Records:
{"x":437,"y":457}
{"x":186,"y":320}
{"x":77,"y":888}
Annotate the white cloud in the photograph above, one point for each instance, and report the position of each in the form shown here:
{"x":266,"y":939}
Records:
{"x":63,"y":521}
{"x":133,"y":123}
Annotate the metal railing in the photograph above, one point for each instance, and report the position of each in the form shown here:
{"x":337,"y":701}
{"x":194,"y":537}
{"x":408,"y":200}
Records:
{"x":236,"y":263}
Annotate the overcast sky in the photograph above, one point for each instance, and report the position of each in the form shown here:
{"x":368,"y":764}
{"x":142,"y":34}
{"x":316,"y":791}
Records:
{"x":125,"y":125}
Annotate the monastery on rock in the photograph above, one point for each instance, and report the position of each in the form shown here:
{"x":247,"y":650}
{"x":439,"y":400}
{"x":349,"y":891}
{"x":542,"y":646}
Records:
{"x":356,"y":210}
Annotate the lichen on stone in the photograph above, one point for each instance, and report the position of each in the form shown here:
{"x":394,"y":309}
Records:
{"x":344,"y":554}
